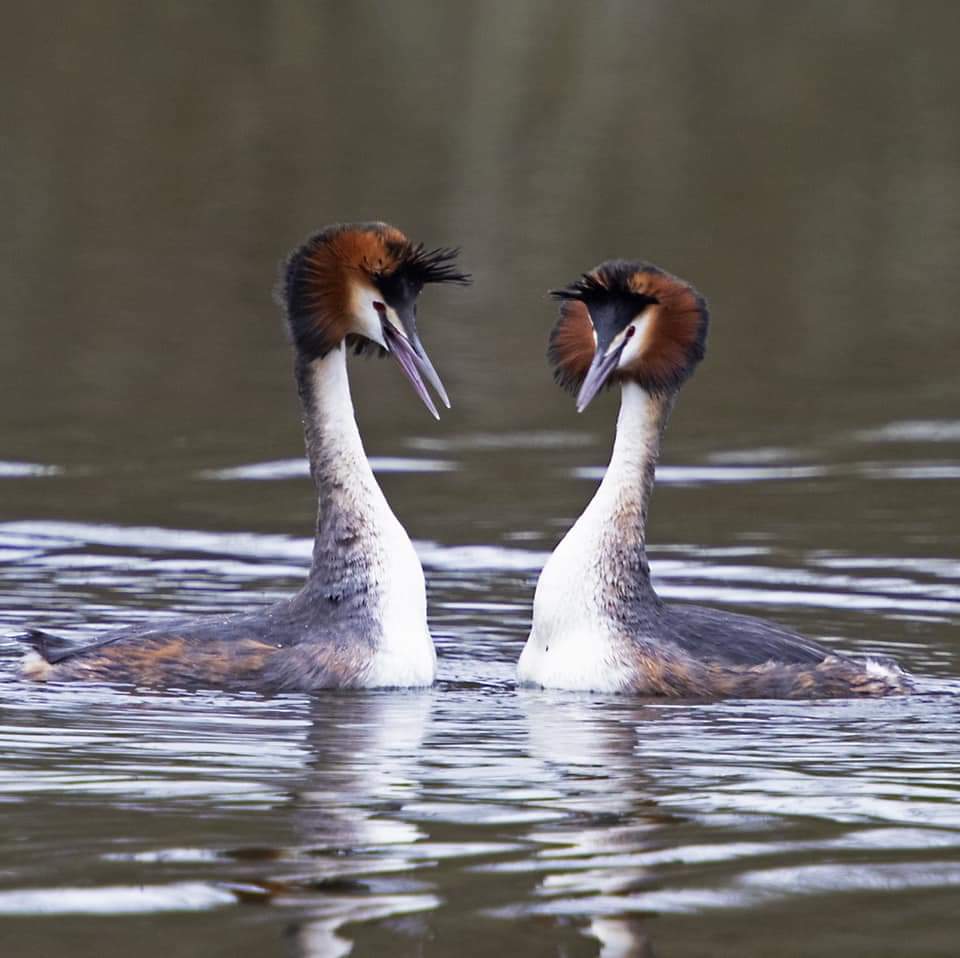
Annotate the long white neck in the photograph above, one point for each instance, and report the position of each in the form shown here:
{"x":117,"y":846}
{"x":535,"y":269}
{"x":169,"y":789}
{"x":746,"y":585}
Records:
{"x":363,"y":559}
{"x":598,"y":578}
{"x":619,"y":508}
{"x":341,"y":472}
{"x":329,"y":407}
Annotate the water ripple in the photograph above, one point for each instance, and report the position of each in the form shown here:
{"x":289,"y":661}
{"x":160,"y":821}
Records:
{"x":473,"y":801}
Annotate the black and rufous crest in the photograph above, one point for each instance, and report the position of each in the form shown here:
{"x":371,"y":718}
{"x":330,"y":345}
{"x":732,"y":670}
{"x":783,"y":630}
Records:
{"x":674,"y":334}
{"x":323,"y":276}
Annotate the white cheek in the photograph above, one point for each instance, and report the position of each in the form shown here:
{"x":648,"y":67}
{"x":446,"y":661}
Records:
{"x":636,"y":344}
{"x":366,"y":319}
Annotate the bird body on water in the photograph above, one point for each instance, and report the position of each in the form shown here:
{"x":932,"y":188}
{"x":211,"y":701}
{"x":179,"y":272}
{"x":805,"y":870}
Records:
{"x":360,"y":620}
{"x":598,"y":623}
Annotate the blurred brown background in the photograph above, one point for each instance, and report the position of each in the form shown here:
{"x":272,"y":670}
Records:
{"x":798,"y":163}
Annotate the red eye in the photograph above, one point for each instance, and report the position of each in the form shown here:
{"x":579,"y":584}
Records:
{"x":379,"y":307}
{"x":630,"y":330}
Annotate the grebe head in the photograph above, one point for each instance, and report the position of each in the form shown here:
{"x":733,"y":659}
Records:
{"x":356,"y":285}
{"x":627,"y":322}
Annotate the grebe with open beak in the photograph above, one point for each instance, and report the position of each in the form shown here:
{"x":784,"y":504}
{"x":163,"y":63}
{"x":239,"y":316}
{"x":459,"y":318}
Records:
{"x":360,"y":620}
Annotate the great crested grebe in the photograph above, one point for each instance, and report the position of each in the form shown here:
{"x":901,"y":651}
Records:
{"x":360,"y":620}
{"x":598,"y":624}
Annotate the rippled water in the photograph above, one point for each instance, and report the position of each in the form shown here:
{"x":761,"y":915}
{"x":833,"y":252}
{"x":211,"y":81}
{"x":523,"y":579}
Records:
{"x":799,"y":164}
{"x":476,"y":816}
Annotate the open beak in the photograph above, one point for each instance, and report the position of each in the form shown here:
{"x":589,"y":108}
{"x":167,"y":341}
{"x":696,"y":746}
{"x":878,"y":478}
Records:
{"x":604,"y":363}
{"x":426,"y":367}
{"x":413,"y":360}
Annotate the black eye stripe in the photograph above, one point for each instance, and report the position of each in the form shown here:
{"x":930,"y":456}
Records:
{"x":612,"y":315}
{"x":397,"y":290}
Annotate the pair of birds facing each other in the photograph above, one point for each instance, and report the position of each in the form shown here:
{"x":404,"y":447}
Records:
{"x":360,"y":619}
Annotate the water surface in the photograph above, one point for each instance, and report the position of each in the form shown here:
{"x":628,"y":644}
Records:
{"x":801,"y":167}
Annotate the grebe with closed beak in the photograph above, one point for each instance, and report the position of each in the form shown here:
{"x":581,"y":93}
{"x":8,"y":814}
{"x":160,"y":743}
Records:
{"x":598,"y":624}
{"x":360,"y":620}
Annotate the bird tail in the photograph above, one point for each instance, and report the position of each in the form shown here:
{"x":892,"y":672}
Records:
{"x":50,"y":648}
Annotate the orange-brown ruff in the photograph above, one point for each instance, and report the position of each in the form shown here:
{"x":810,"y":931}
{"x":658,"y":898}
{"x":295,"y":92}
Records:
{"x":325,"y":276}
{"x":332,"y":266}
{"x":360,"y":619}
{"x":675,"y":333}
{"x":598,"y":623}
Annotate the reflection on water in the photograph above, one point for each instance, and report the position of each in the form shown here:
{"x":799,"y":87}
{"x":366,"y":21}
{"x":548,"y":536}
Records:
{"x":938,"y":430}
{"x":472,"y":811}
{"x":475,"y":811}
{"x":17,"y":470}
{"x":298,"y":468}
{"x":798,"y":165}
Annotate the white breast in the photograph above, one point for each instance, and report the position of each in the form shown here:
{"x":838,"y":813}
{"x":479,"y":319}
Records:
{"x":406,"y":656}
{"x":572,"y":644}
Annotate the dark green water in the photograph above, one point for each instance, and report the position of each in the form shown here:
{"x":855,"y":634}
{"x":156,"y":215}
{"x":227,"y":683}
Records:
{"x":800,"y":165}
